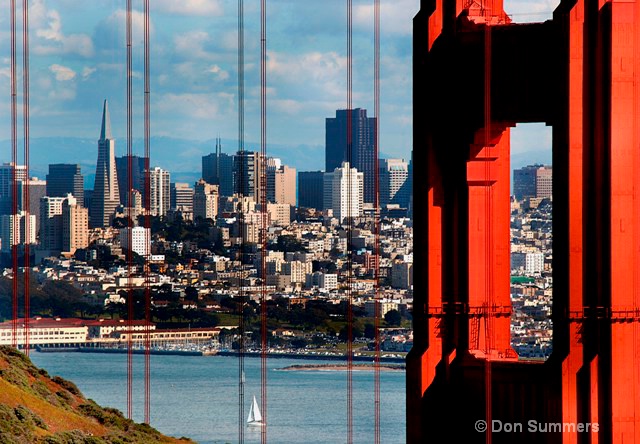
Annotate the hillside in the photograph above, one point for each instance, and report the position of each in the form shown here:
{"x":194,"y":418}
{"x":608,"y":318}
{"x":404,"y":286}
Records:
{"x":38,"y":409}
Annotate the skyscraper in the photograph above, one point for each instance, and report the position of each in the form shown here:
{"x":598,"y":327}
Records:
{"x":138,"y":165}
{"x":75,"y":225}
{"x":51,"y":223}
{"x":64,"y":224}
{"x":6,"y":186}
{"x":105,"y":197}
{"x":65,"y":178}
{"x":532,"y":181}
{"x":217,"y":169}
{"x":363,"y":150}
{"x":310,"y":189}
{"x":394,"y":186}
{"x":205,"y":200}
{"x":281,"y":183}
{"x":343,"y":190}
{"x":13,"y":230}
{"x":181,"y":196}
{"x":246,"y":174}
{"x":160,"y":196}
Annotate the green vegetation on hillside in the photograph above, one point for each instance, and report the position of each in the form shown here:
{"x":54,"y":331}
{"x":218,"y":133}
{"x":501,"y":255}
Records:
{"x":38,"y":409}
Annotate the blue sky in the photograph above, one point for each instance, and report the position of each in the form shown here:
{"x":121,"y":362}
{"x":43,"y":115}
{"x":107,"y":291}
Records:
{"x":78,"y":59}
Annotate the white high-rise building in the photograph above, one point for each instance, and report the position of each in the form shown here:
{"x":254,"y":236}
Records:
{"x":346,"y":186}
{"x":394,"y":188}
{"x":13,"y":230}
{"x":160,"y":191}
{"x":138,"y":237}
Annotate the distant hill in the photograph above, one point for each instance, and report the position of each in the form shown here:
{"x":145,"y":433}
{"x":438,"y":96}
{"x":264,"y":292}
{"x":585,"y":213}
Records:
{"x":37,"y":409}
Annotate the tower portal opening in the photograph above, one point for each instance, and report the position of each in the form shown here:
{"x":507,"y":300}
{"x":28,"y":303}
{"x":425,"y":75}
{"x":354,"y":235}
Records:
{"x":531,"y":240}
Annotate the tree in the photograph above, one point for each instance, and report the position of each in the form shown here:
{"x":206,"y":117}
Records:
{"x":356,"y":332}
{"x":393,"y":318}
{"x":299,"y":343}
{"x":369,"y":330}
{"x":288,"y":243}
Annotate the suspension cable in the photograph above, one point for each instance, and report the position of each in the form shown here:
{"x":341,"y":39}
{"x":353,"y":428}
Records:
{"x":350,"y":215}
{"x":241,"y":159}
{"x":376,"y":221}
{"x":263,"y":209}
{"x":130,"y":302}
{"x":147,"y":218}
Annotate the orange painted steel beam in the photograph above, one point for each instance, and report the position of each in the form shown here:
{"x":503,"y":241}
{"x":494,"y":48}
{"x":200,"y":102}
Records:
{"x":580,"y":74}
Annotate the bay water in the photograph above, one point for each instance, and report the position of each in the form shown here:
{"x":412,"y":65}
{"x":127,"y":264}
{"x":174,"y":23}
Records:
{"x":197,"y":396}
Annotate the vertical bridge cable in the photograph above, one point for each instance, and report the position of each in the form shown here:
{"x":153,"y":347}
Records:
{"x":489,"y":345}
{"x":130,"y":301}
{"x":350,"y":215}
{"x":147,"y":219}
{"x":25,"y":189}
{"x":263,"y":184}
{"x":14,"y":176}
{"x":376,"y":218}
{"x":240,"y":157}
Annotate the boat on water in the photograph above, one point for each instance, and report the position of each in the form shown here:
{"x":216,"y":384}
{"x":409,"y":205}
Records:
{"x":255,"y":417}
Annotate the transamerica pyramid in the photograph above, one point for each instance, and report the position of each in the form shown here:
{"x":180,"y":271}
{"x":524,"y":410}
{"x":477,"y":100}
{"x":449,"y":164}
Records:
{"x":105,"y":197}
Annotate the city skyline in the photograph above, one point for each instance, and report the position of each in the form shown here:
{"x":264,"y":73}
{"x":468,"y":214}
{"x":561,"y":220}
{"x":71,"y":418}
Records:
{"x":77,"y":61}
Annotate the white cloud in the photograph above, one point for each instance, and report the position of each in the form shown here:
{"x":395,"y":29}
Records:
{"x":113,"y":29}
{"x":323,"y":72}
{"x":396,"y":16}
{"x":53,"y":41}
{"x":218,"y":72}
{"x":62,"y":73}
{"x":191,"y":45}
{"x":189,"y":7}
{"x":87,"y":71}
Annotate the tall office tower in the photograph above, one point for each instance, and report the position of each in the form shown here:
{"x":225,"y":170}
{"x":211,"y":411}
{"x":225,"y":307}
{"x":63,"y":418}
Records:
{"x":88,"y":197}
{"x":37,"y":190}
{"x":75,"y":225}
{"x":6,"y":186}
{"x":246,"y":174}
{"x":51,"y":223}
{"x":138,"y":165}
{"x":532,"y":181}
{"x":544,"y":181}
{"x":394,"y":186}
{"x":65,"y":178}
{"x":13,"y":230}
{"x":345,"y":187}
{"x":281,"y":183}
{"x":310,"y":189}
{"x":160,"y":196}
{"x":181,"y":196}
{"x":64,"y":224}
{"x":105,"y":197}
{"x":524,"y":181}
{"x":217,"y":169}
{"x":205,"y":200}
{"x":363,"y":139}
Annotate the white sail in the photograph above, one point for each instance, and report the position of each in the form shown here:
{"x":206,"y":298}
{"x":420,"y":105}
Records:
{"x":255,"y":417}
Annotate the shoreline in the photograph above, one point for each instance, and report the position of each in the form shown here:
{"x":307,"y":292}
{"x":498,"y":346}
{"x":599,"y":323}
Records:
{"x":343,"y":367}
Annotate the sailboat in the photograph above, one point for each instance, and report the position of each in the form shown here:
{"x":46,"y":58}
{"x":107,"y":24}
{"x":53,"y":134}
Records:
{"x":255,"y":417}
